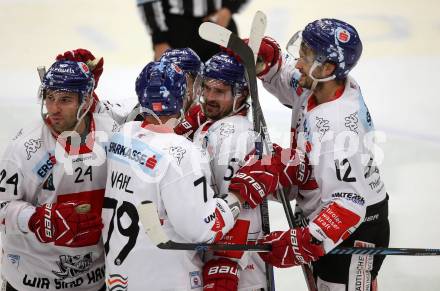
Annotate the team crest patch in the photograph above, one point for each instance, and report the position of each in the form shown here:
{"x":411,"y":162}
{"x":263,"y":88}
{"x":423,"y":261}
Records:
{"x":342,"y":35}
{"x":73,"y":266}
{"x":117,"y":282}
{"x":195,"y":279}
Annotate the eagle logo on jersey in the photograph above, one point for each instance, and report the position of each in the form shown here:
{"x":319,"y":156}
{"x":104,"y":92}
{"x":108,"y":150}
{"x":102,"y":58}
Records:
{"x":322,"y":125}
{"x":177,"y":152}
{"x":32,"y":146}
{"x":72,"y":266}
{"x":226,"y":129}
{"x":351,"y":122}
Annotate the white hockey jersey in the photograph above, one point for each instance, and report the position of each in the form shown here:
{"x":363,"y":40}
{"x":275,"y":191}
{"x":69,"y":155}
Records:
{"x":167,"y":169}
{"x":338,"y":137}
{"x":36,"y":169}
{"x":225,"y":143}
{"x":117,"y":112}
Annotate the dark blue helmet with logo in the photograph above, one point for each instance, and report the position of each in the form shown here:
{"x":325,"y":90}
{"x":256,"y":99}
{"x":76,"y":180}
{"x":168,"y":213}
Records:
{"x":226,"y":68}
{"x":161,"y":88}
{"x":334,"y":41}
{"x":68,"y":76}
{"x":185,"y":58}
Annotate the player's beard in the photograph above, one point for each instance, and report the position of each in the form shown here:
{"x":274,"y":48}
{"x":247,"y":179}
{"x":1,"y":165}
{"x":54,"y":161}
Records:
{"x":214,"y":111}
{"x":63,"y":124}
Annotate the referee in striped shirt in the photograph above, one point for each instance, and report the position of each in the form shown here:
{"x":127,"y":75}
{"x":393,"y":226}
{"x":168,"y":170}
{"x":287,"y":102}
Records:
{"x":175,"y":23}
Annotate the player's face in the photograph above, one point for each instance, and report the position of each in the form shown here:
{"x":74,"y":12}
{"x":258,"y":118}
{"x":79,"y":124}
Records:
{"x":62,"y":108}
{"x":218,"y":99}
{"x":304,"y":64}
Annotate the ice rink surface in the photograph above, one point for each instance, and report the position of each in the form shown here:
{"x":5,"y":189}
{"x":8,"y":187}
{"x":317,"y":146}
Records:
{"x":398,"y":73}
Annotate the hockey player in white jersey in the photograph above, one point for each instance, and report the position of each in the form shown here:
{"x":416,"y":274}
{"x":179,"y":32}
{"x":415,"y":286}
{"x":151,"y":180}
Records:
{"x":226,"y":138}
{"x":147,"y":161}
{"x":341,"y":192}
{"x":52,"y":188}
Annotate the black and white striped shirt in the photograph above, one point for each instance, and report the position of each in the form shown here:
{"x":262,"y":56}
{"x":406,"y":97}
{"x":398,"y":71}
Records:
{"x":155,"y":12}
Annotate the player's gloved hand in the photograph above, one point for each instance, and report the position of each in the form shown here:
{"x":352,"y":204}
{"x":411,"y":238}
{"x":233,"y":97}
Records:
{"x":291,"y":165}
{"x":220,"y":275}
{"x":259,"y":178}
{"x":269,"y":55}
{"x":96,"y":65}
{"x":193,"y":118}
{"x":291,"y":248}
{"x":253,"y":182}
{"x":66,"y":224}
{"x":237,"y":235}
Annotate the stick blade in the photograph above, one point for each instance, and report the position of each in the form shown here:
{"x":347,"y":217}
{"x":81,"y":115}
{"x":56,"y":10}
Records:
{"x":215,"y":33}
{"x":150,"y":221}
{"x":258,"y":29}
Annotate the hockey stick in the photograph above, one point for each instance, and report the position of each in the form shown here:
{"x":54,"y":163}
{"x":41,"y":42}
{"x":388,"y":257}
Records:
{"x":41,"y":72}
{"x":150,"y":221}
{"x":222,"y":36}
{"x":258,"y":27}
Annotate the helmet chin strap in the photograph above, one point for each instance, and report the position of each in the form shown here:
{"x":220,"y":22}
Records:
{"x":315,"y":80}
{"x":79,"y":116}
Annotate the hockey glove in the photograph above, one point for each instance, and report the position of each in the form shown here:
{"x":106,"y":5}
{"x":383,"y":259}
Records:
{"x":220,"y":275}
{"x":66,"y":224}
{"x":291,"y":248}
{"x":96,"y":65}
{"x":259,"y":178}
{"x":253,"y":182}
{"x":269,"y":55}
{"x":193,"y":118}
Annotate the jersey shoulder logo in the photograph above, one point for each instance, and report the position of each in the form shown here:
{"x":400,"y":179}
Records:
{"x":177,"y":152}
{"x":351,"y":122}
{"x":32,"y":146}
{"x":323,"y":126}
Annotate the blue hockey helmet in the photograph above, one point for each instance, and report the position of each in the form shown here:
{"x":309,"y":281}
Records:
{"x":225,"y":68}
{"x":68,"y":76}
{"x":161,"y":88}
{"x":334,"y":41}
{"x":185,"y":58}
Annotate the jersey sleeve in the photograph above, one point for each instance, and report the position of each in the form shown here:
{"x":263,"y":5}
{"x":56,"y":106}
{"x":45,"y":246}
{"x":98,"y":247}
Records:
{"x":189,"y":201}
{"x":13,"y":188}
{"x":282,"y":82}
{"x":115,"y":110}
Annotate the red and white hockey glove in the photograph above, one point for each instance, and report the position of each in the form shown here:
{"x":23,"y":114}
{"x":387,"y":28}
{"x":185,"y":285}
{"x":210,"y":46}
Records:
{"x":269,"y":55}
{"x":237,"y":235}
{"x":220,"y":275}
{"x":96,"y":65}
{"x":66,"y":224}
{"x":259,"y":178}
{"x":253,"y":182}
{"x":193,"y":118}
{"x":291,"y":248}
